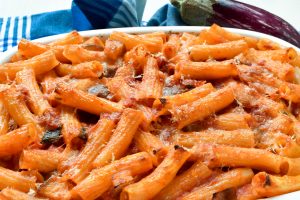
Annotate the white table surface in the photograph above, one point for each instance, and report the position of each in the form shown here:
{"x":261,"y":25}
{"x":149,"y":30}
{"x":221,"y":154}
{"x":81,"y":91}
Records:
{"x":287,"y":9}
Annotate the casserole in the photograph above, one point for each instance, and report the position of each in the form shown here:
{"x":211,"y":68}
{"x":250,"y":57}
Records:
{"x":6,"y":55}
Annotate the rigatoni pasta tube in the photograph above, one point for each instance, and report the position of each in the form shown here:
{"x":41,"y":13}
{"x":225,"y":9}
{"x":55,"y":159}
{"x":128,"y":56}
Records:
{"x":84,"y":84}
{"x":208,"y":37}
{"x":113,"y":49}
{"x":41,"y":160}
{"x":68,"y":156}
{"x":283,"y":55}
{"x":119,"y":84}
{"x":152,"y":184}
{"x":149,"y":116}
{"x":221,"y":51}
{"x":17,"y":57}
{"x":94,"y":44}
{"x":71,"y":126}
{"x":186,"y":97}
{"x":251,"y":41}
{"x":153,"y":44}
{"x":294,"y":166}
{"x":248,"y":97}
{"x":4,"y":118}
{"x":13,"y":179}
{"x":189,"y":39}
{"x":55,"y":189}
{"x":38,"y":104}
{"x":266,"y":44}
{"x":290,"y":148}
{"x":241,"y":138}
{"x":171,"y":47}
{"x":15,"y":141}
{"x":150,"y":143}
{"x":206,"y":70}
{"x":82,"y":164}
{"x":12,"y":194}
{"x":90,"y":103}
{"x":71,"y":38}
{"x":202,"y":108}
{"x":40,"y":64}
{"x":246,"y":192}
{"x":121,"y":138}
{"x":282,"y":123}
{"x":121,"y":88}
{"x":100,"y":179}
{"x":120,"y":181}
{"x":220,"y":155}
{"x":137,"y":56}
{"x":232,"y":121}
{"x":290,"y":91}
{"x":179,"y":57}
{"x":152,"y":83}
{"x":92,"y":69}
{"x":230,"y":179}
{"x":30,"y":49}
{"x":15,"y":104}
{"x":48,"y":82}
{"x":185,"y":182}
{"x":257,"y":74}
{"x":77,"y":54}
{"x":267,"y":185}
{"x":273,"y":60}
{"x":159,"y":34}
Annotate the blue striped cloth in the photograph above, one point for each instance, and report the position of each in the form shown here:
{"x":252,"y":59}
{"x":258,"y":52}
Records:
{"x":83,"y":15}
{"x":12,"y":29}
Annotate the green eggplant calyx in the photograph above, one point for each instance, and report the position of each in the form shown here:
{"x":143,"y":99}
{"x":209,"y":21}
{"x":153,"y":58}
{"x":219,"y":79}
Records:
{"x":177,"y":3}
{"x":194,"y":12}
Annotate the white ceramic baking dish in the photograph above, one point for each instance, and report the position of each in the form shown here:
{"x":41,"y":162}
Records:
{"x":4,"y":57}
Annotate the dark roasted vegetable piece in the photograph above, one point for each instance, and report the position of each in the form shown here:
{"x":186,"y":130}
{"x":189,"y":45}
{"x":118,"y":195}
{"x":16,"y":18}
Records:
{"x":83,"y":135}
{"x":99,"y":90}
{"x":230,"y":13}
{"x":172,"y":90}
{"x":109,"y":71}
{"x":52,"y":137}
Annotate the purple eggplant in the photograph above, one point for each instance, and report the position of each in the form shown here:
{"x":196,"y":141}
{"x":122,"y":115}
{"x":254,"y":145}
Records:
{"x":230,"y":13}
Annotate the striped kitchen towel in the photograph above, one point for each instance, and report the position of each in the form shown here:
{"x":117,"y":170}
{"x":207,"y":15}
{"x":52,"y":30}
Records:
{"x":83,"y":15}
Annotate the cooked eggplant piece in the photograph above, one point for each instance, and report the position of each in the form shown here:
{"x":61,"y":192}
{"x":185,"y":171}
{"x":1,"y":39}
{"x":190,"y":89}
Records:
{"x":52,"y":137}
{"x":99,"y":90}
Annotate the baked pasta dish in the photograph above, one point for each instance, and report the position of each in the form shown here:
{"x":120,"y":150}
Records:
{"x":161,"y":115}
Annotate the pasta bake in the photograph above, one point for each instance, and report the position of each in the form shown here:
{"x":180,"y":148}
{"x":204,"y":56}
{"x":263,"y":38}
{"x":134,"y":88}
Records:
{"x":161,"y":115}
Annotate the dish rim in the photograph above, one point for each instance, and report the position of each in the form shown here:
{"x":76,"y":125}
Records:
{"x":5,"y":56}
